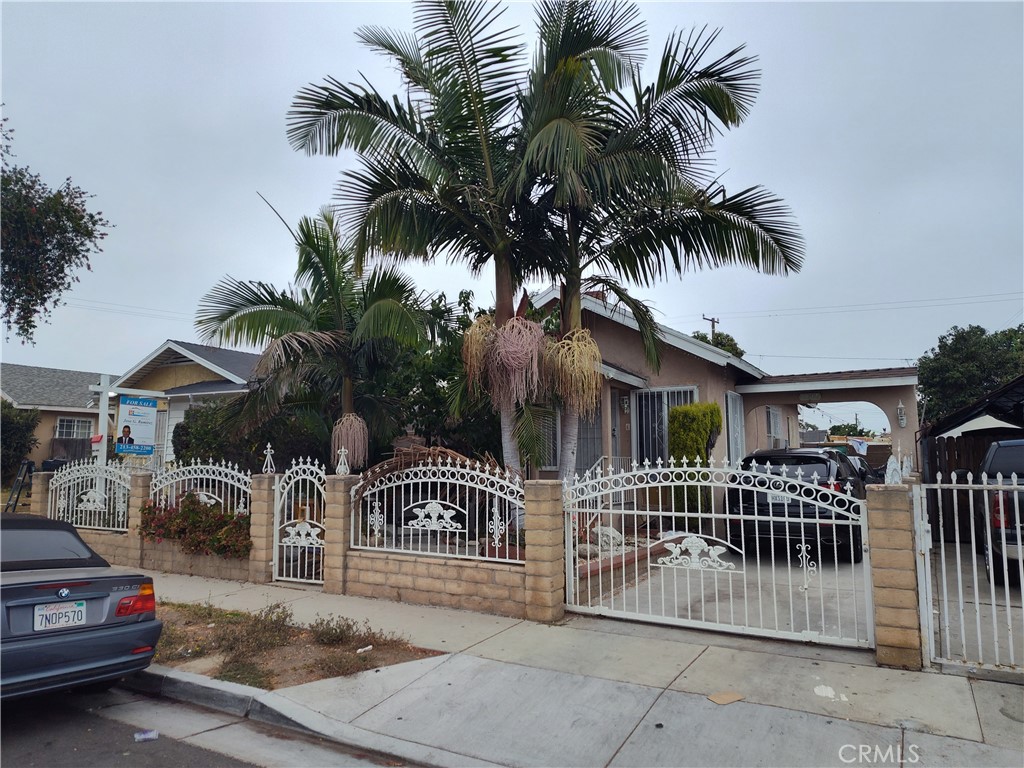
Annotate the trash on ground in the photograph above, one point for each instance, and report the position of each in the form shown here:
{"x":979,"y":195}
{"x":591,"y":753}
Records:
{"x":364,"y":650}
{"x":725,"y":697}
{"x":147,"y":736}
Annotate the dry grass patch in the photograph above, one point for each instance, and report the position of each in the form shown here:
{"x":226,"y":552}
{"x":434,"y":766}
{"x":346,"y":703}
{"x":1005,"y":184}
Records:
{"x":267,"y":650}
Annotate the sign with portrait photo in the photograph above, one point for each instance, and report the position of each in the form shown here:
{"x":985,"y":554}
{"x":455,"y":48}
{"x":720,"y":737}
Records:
{"x":136,"y":426}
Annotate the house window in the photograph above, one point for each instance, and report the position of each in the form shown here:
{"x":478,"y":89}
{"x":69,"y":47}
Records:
{"x":552,"y":439}
{"x":776,"y":438}
{"x":72,"y":429}
{"x":650,"y":413}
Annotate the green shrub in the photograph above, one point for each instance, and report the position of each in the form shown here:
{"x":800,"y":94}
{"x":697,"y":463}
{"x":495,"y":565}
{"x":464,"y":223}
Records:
{"x":199,"y":528}
{"x":693,"y":431}
{"x":17,"y":438}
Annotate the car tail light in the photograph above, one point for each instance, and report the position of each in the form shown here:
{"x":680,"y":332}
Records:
{"x":835,"y":485}
{"x":144,"y":602}
{"x":998,"y":510}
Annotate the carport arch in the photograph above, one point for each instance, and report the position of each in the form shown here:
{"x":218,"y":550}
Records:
{"x":886,"y":388}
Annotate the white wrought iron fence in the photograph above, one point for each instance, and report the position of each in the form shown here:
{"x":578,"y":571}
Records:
{"x":88,"y":495}
{"x":764,"y":552}
{"x":221,"y":484}
{"x":971,"y":570}
{"x":453,"y":508}
{"x":299,"y":522}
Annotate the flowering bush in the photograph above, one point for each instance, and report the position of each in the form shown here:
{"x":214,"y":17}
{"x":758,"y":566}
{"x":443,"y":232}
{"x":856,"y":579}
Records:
{"x":199,"y":528}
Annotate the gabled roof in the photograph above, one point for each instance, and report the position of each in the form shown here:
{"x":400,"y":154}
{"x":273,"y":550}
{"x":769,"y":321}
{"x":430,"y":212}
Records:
{"x":670,"y":336}
{"x":230,"y":364}
{"x":1005,"y":404}
{"x":30,"y":386}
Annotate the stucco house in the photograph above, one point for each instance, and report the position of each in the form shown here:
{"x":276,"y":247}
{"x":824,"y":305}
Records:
{"x":69,"y":409}
{"x":181,"y":374}
{"x":759,"y":410}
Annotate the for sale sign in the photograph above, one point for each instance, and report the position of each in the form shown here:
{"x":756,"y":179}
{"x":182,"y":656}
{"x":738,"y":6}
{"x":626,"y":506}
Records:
{"x":136,"y":420}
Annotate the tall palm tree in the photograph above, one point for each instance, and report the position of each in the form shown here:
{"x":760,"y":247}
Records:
{"x":627,"y":187}
{"x":323,"y":336}
{"x":545,"y":168}
{"x":439,"y":172}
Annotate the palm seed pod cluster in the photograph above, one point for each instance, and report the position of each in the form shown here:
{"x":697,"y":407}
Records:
{"x":351,"y":434}
{"x":517,"y":363}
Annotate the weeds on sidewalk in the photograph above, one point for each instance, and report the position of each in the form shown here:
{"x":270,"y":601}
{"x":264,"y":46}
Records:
{"x":265,"y":649}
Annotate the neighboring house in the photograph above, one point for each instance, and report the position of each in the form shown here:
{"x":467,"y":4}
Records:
{"x":758,"y":410}
{"x":960,"y":440}
{"x":186,"y":374}
{"x":69,"y":409}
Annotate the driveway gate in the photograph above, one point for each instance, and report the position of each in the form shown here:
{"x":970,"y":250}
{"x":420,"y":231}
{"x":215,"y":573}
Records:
{"x":758,"y":553}
{"x":971,"y":612}
{"x":299,"y":525}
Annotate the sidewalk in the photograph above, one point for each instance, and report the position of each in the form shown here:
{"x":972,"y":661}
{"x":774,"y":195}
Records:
{"x":597,"y":692}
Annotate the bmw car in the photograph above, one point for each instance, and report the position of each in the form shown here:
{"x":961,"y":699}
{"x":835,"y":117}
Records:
{"x":69,"y":619}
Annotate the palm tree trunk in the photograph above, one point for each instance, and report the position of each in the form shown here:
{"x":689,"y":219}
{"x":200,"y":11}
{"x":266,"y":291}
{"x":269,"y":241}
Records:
{"x":570,"y":441}
{"x":571,"y":319}
{"x":503,"y":288}
{"x":348,"y":396}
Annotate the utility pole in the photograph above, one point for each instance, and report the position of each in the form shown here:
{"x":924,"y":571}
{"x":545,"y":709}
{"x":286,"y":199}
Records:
{"x":714,"y":321}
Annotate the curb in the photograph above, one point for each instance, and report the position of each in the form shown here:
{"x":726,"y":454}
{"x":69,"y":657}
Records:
{"x":272,"y":708}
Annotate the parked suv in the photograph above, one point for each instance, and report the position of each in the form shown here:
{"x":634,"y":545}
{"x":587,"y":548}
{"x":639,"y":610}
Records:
{"x":798,"y":502}
{"x":1004,"y":507}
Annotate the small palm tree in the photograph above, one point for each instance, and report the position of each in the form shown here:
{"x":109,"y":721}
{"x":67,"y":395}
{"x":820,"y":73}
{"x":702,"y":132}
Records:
{"x":322,"y":337}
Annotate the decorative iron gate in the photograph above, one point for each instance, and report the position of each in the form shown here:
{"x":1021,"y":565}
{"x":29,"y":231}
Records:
{"x":88,"y":495}
{"x":223,"y":484}
{"x":454,"y":508}
{"x":970,"y":571}
{"x":299,"y":524}
{"x":761,"y":553}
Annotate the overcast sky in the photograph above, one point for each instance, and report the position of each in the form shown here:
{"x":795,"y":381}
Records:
{"x":894,"y":131}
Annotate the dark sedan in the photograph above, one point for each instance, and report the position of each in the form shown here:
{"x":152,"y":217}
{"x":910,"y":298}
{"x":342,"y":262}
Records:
{"x":69,"y":619}
{"x":797,"y":496}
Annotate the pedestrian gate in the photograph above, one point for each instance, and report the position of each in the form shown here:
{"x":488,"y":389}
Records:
{"x":299,"y":524}
{"x":969,"y":583}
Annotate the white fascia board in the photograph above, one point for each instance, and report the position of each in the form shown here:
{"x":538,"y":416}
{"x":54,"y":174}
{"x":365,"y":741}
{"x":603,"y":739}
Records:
{"x":196,"y":395}
{"x":63,"y":409}
{"x":626,"y":378}
{"x":671,"y":336}
{"x":808,"y":386}
{"x":181,"y":351}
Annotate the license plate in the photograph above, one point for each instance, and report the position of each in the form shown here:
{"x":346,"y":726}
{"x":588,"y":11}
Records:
{"x":59,"y":615}
{"x":778,"y":498}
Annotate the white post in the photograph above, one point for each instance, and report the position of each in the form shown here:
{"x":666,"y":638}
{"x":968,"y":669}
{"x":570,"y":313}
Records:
{"x":101,"y":460}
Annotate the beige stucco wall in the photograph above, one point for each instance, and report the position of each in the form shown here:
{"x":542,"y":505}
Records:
{"x":886,"y":398}
{"x":621,"y":347}
{"x":47,"y":428}
{"x":178,"y":375}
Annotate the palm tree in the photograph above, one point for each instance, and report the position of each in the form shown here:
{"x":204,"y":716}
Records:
{"x":322,"y":337}
{"x":545,"y":168}
{"x":627,"y":187}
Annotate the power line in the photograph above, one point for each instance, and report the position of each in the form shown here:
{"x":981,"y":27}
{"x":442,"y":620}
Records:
{"x":989,"y":298}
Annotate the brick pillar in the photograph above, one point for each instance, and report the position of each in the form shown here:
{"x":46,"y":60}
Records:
{"x":545,"y":551}
{"x":39,"y":504}
{"x":338,"y":522}
{"x":138,"y":494}
{"x":261,"y":529}
{"x":894,"y":576}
